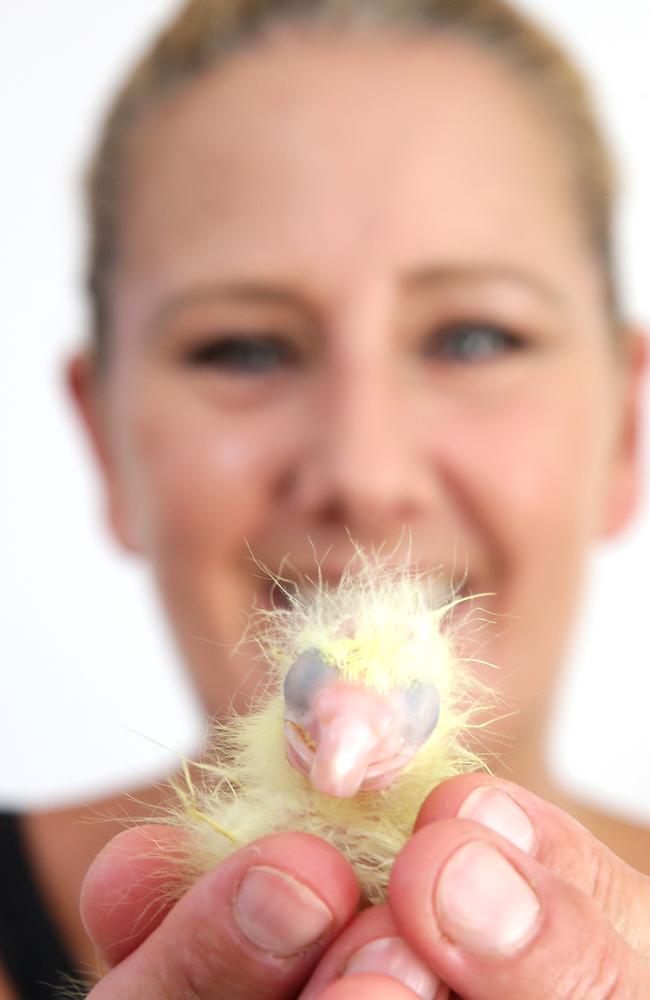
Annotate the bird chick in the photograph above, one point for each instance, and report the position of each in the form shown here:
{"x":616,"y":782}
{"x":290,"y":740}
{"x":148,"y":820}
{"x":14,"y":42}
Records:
{"x":367,"y":710}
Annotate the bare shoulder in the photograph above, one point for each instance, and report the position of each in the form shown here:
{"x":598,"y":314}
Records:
{"x":62,"y":843}
{"x":90,"y":825}
{"x":6,"y":991}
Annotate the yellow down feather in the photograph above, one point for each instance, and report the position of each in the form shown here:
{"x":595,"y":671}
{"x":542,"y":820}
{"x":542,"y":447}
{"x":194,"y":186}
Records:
{"x":383,"y":625}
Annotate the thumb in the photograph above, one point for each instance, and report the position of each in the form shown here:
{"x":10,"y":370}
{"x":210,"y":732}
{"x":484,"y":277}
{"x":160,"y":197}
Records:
{"x":255,"y":925}
{"x":494,"y":922}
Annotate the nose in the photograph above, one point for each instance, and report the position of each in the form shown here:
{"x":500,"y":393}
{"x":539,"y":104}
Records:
{"x":363,"y":460}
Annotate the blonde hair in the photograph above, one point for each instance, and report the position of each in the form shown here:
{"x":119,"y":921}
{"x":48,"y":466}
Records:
{"x":206,"y":32}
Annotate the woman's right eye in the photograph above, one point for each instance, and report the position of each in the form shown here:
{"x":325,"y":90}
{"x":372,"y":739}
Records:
{"x":243,"y":355}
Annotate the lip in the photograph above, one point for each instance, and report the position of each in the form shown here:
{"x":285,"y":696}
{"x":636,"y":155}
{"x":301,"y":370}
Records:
{"x":275,"y":598}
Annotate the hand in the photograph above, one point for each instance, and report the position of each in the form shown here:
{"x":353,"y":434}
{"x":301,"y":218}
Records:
{"x":254,"y":926}
{"x":538,"y":910}
{"x":589,"y":933}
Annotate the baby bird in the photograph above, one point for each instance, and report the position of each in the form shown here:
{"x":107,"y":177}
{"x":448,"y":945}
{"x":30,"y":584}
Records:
{"x":368,"y":710}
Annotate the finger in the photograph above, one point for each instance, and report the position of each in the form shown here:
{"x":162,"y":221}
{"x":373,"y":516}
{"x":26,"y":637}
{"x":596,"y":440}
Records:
{"x":367,"y":987}
{"x":494,"y":922}
{"x":557,"y":841}
{"x":372,"y":944}
{"x":254,"y":926}
{"x":129,"y":889}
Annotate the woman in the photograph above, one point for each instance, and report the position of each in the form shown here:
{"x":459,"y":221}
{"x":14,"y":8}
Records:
{"x":352,"y":273}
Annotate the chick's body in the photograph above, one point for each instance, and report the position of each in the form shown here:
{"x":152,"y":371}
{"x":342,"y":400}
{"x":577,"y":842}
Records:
{"x":369,"y":712}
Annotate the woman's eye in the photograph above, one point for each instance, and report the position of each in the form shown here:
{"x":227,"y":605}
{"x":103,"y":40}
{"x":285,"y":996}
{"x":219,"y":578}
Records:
{"x":472,"y":342}
{"x":243,"y":355}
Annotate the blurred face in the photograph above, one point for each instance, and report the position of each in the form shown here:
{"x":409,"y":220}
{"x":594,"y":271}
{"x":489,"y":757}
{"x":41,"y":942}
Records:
{"x":354,"y":295}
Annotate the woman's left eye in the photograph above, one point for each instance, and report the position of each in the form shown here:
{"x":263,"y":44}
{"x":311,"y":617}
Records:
{"x":472,"y":342}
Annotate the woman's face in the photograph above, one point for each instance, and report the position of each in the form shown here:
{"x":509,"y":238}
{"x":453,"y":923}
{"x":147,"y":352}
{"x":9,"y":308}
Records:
{"x":354,"y":295}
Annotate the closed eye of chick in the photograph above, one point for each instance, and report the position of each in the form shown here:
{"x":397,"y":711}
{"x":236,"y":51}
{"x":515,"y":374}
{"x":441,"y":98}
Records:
{"x":367,"y":710}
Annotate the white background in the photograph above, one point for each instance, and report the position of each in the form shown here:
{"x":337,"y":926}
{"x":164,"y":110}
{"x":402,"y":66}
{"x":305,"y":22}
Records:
{"x":84,"y":657}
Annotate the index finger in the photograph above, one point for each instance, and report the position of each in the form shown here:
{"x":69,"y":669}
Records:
{"x":255,"y":925}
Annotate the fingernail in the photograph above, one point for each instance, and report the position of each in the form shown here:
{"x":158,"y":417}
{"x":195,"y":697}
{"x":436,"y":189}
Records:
{"x":483,"y":904}
{"x":500,"y":812}
{"x":392,"y":957}
{"x":279,"y":914}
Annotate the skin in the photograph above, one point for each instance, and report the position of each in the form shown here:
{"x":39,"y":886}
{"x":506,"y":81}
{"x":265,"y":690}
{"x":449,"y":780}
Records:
{"x":374,"y":193}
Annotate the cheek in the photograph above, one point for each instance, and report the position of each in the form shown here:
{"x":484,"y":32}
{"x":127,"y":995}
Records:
{"x":196,"y":479}
{"x":538,"y":469}
{"x":535,"y":469}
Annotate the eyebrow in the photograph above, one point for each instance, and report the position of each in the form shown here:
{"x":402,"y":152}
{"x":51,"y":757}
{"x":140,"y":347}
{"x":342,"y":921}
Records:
{"x":252,"y":292}
{"x":283,"y":296}
{"x":483,"y":273}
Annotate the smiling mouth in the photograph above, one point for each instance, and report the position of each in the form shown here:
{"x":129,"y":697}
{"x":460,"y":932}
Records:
{"x":281,"y":595}
{"x":277,"y":596}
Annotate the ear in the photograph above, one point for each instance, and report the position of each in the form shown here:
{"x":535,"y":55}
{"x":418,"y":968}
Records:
{"x":86,"y":390}
{"x":627,"y":461}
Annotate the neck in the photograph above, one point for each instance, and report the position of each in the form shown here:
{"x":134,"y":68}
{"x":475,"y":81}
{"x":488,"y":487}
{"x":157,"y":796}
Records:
{"x":525,"y":764}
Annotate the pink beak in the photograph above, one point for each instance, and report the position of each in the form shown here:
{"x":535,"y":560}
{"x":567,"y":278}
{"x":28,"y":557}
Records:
{"x":351,"y":740}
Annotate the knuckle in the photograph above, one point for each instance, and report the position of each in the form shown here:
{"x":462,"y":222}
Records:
{"x":597,"y":973}
{"x":185,"y":974}
{"x":605,"y":887}
{"x":611,"y":893}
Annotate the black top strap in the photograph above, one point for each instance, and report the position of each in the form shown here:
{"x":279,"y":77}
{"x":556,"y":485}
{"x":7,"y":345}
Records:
{"x":30,"y":949}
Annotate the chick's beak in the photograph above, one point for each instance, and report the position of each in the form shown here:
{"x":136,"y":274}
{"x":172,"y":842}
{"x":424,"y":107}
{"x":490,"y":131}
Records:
{"x":350,"y":740}
{"x":348,"y":736}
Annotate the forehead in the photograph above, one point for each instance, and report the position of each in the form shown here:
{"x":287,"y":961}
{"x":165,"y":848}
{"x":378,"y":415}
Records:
{"x":343,"y":155}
